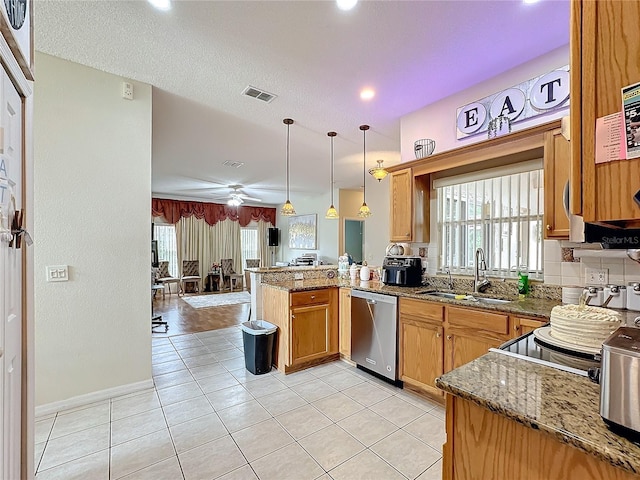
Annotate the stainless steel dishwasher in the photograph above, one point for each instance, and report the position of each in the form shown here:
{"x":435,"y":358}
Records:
{"x":374,"y":332}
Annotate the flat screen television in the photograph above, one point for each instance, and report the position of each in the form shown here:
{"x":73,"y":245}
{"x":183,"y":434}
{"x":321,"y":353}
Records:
{"x":154,"y":254}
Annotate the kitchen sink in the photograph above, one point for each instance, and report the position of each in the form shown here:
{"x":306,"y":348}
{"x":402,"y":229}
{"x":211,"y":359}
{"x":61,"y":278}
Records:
{"x":443,"y":294}
{"x":468,"y":298}
{"x":490,"y":301}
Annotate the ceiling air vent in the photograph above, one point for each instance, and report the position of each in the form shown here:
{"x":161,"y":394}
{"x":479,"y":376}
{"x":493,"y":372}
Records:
{"x":229,"y":163}
{"x":259,"y":94}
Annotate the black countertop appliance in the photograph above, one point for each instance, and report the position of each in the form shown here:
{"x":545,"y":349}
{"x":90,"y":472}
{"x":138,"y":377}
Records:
{"x":402,"y":271}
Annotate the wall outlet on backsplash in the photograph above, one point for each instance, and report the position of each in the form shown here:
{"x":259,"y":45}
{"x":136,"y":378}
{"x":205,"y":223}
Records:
{"x":298,"y":276}
{"x":596,"y":276}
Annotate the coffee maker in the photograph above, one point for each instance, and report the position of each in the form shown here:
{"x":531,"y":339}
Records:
{"x":402,"y":271}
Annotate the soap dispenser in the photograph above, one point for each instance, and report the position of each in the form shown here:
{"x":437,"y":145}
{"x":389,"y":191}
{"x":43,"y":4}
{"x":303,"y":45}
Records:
{"x":365,"y":273}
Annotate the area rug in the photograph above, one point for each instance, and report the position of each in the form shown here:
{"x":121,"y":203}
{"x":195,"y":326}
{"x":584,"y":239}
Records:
{"x":216,"y":300}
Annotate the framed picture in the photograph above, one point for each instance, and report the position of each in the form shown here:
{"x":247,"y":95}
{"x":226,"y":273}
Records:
{"x":302,"y":232}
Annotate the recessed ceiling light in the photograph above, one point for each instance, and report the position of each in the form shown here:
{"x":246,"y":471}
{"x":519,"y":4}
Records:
{"x":367,"y":94}
{"x":163,"y":5}
{"x":530,"y":1}
{"x":346,"y":4}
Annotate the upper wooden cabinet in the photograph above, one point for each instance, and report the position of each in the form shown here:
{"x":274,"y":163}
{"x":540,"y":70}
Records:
{"x":557,"y":163}
{"x":604,"y":58}
{"x":401,"y":193}
{"x":409,"y":207}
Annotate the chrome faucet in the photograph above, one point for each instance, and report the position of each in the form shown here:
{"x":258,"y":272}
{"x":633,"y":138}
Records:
{"x":448,"y":272}
{"x":480,"y":265}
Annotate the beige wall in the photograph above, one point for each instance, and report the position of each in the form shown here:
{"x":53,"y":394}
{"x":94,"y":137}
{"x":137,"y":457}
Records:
{"x":438,"y":120}
{"x":376,"y":229}
{"x":92,"y":183}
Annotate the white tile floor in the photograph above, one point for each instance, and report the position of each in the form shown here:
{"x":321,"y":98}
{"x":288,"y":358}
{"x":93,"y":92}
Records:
{"x":209,"y":418}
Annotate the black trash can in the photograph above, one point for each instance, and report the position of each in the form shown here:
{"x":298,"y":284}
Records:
{"x":258,"y":339}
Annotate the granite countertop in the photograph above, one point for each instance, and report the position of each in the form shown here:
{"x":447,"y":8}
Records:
{"x":298,"y":268}
{"x":532,"y":307}
{"x":561,"y":404}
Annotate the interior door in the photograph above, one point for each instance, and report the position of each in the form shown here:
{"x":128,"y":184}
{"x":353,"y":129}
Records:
{"x":11,"y":286}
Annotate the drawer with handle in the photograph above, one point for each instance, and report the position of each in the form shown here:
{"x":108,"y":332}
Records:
{"x":310,"y":297}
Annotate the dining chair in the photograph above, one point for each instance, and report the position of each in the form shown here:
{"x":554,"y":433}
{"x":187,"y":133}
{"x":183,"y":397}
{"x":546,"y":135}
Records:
{"x":164,"y":278}
{"x":229,"y":274}
{"x":190,"y":274}
{"x":250,"y":263}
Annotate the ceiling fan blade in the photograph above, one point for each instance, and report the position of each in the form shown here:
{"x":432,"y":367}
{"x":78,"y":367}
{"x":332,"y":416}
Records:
{"x":247,"y":197}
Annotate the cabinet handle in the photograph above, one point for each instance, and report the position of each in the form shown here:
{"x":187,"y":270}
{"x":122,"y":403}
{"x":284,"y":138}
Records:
{"x":293,"y":316}
{"x":438,"y":335}
{"x":348,"y":296}
{"x":448,"y":337}
{"x":548,"y":227}
{"x":407,"y":235}
{"x":516,"y":327}
{"x":312,"y":297}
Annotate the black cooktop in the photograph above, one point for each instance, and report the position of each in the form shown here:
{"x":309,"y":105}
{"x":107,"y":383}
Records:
{"x":529,"y":347}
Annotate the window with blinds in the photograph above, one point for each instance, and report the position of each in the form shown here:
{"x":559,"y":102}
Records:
{"x":167,"y":250}
{"x":249,"y":243}
{"x":497,"y":209}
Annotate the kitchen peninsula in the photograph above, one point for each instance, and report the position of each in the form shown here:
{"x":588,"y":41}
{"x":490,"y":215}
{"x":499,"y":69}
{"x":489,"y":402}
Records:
{"x":508,"y":418}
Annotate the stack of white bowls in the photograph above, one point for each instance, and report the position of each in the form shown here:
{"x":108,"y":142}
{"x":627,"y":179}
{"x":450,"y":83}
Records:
{"x":571,"y":295}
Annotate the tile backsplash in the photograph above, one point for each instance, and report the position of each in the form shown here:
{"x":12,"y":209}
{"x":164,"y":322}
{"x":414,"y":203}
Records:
{"x":562,"y":268}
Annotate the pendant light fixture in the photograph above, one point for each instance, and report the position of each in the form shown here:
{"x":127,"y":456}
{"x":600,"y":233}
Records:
{"x":332,"y":213}
{"x":364,"y":211}
{"x":287,"y":209}
{"x":378,"y":172}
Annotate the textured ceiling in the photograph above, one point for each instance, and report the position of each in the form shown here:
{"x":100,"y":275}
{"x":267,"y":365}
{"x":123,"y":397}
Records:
{"x":199,"y":56}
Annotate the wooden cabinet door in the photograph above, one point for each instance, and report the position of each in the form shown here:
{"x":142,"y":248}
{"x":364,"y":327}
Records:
{"x":461,"y":348}
{"x":522,"y":325}
{"x":401,"y":193}
{"x":345,"y":322}
{"x":603,"y":60}
{"x":312,"y":332}
{"x":557,"y":163}
{"x":421,"y":350}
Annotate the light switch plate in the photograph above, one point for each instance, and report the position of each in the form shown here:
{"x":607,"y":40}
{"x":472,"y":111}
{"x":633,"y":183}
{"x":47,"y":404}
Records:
{"x":57,"y":273}
{"x":596,"y":276}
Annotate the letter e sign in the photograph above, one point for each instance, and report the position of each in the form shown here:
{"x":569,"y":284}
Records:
{"x":471,"y":118}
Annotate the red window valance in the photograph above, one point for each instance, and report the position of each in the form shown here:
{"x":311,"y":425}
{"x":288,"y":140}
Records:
{"x":173,"y":210}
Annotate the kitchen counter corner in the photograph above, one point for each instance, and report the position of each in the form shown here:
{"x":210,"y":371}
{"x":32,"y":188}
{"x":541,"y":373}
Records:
{"x":561,"y":404}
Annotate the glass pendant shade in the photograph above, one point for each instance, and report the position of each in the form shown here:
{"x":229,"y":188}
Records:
{"x":364,"y":211}
{"x":332,"y":213}
{"x":378,"y":172}
{"x":287,"y":209}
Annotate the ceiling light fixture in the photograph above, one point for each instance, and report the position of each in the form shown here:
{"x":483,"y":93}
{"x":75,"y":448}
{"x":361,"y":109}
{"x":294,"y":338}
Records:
{"x":367,"y":94}
{"x":378,"y":172}
{"x":529,"y":2}
{"x":234,"y":202}
{"x":332,"y":213}
{"x":163,"y":5}
{"x":364,"y":211}
{"x":346,"y":4}
{"x":287,"y":209}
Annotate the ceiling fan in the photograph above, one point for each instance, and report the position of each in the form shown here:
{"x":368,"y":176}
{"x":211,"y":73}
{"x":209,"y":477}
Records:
{"x":237,"y":196}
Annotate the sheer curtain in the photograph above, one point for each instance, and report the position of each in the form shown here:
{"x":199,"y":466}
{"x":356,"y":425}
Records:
{"x":263,"y":243}
{"x":196,"y":240}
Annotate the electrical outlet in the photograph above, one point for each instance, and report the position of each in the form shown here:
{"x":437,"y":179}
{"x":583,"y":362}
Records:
{"x":298,"y":276}
{"x":596,"y":276}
